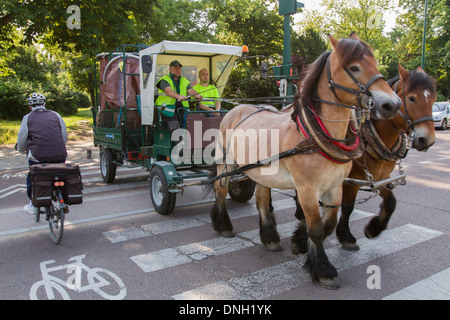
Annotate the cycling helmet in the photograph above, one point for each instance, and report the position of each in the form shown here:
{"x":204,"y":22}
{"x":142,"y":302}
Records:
{"x":36,"y":99}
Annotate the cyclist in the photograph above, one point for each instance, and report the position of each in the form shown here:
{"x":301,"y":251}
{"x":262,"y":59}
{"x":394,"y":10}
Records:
{"x":42,"y":136}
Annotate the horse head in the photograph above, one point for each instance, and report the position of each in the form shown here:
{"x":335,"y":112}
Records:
{"x":356,"y":80}
{"x":418,"y":93}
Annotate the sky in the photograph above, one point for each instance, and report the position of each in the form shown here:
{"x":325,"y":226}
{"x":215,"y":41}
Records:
{"x":389,"y":17}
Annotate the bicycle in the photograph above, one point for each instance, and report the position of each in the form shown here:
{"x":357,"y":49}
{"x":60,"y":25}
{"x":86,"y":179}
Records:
{"x":55,"y":212}
{"x":54,"y":187}
{"x":102,"y":281}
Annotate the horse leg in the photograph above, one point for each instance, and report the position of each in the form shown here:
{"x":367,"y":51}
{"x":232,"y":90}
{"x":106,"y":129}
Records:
{"x":219,"y":215}
{"x":267,"y":224}
{"x":343,"y":233}
{"x":379,"y":223}
{"x":331,"y":202}
{"x":322,"y":271}
{"x":299,"y":241}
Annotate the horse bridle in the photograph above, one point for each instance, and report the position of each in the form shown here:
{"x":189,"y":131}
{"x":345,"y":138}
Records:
{"x":362,"y":89}
{"x":410,"y":123}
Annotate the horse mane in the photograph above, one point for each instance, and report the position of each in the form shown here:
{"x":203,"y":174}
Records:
{"x":348,"y":50}
{"x":310,"y":75}
{"x":416,"y":79}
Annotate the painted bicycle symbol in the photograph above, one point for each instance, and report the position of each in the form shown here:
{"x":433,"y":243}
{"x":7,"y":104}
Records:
{"x":102,"y":281}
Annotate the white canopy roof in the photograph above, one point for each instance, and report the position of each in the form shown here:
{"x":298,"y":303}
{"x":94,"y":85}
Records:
{"x":197,"y":48}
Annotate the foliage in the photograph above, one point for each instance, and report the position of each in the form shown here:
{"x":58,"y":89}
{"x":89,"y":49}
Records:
{"x":82,"y":121}
{"x":308,"y":45}
{"x":401,"y":45}
{"x":254,"y":24}
{"x":33,"y":69}
{"x":38,"y":52}
{"x":437,"y":49}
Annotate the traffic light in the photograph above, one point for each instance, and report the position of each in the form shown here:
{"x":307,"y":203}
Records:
{"x":289,"y":6}
{"x":264,"y":69}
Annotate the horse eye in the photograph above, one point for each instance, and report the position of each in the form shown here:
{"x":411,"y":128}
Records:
{"x":354,"y":68}
{"x":411,"y":99}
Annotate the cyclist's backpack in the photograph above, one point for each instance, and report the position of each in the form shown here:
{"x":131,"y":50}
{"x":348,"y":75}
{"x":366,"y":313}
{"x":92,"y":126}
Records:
{"x":45,"y":174}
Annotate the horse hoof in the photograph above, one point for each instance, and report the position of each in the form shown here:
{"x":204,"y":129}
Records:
{"x":273,"y":246}
{"x":330,"y":284}
{"x":297,"y":249}
{"x":350,"y":246}
{"x":371,"y":234}
{"x":227,"y":234}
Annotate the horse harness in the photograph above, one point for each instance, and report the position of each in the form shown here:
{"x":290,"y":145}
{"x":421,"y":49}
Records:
{"x":310,"y":124}
{"x":317,"y":137}
{"x":375,"y":147}
{"x":362,"y":89}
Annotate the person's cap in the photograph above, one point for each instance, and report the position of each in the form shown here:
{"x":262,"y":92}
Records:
{"x":175,"y":63}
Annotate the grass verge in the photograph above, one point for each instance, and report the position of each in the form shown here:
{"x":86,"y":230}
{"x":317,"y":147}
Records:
{"x":77,"y":125}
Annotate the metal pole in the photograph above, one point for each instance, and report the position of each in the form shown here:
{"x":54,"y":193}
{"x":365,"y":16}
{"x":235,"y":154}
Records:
{"x":287,"y":53}
{"x":424,"y":35}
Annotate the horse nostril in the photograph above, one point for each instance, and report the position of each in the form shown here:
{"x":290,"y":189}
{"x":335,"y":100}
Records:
{"x":388,"y":107}
{"x":391,"y":107}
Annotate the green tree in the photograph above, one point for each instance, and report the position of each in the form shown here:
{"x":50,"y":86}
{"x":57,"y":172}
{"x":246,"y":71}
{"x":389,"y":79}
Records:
{"x":409,"y":29}
{"x":255,"y":23}
{"x":308,"y":45}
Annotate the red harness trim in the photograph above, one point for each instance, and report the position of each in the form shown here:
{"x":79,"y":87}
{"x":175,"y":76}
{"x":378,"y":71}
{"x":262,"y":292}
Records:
{"x":336,"y":143}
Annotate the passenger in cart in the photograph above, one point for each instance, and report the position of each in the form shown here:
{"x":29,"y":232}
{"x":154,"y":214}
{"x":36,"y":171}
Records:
{"x":209,"y":92}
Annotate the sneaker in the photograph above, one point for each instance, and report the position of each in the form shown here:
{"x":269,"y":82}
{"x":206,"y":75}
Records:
{"x":29,"y":208}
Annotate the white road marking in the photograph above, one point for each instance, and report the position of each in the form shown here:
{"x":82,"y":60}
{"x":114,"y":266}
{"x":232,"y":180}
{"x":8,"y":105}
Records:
{"x":146,"y":230}
{"x":170,"y":257}
{"x":288,"y":275}
{"x":435,"y":287}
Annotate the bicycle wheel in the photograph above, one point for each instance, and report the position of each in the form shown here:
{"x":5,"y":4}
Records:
{"x":56,"y":220}
{"x":99,"y":278}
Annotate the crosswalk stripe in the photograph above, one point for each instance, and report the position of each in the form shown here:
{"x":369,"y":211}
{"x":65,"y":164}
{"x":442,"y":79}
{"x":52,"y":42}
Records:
{"x":288,"y":275}
{"x":171,"y":257}
{"x":146,"y":230}
{"x":435,"y":287}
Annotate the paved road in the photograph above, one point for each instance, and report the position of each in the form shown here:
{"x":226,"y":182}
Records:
{"x":116,"y":246}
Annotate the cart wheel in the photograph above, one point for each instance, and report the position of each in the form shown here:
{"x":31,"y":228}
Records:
{"x":163,"y":200}
{"x":107,"y":166}
{"x":242,"y":191}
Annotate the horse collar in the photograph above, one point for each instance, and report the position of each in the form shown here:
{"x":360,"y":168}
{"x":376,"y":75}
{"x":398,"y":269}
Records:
{"x":332,"y":149}
{"x":376,"y":148}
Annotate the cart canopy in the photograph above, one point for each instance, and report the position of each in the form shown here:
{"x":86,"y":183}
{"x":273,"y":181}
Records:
{"x":154,"y":63}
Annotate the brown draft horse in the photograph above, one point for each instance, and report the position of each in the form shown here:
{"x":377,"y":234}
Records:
{"x":332,"y":86}
{"x":418,"y":94}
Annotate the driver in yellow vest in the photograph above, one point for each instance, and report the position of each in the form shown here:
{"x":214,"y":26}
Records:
{"x":172,"y":96}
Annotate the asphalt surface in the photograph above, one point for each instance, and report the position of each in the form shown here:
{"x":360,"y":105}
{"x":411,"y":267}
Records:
{"x":77,"y":153}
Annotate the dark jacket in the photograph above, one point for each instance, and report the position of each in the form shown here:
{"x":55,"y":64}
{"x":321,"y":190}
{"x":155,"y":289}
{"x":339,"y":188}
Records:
{"x":43,"y":136}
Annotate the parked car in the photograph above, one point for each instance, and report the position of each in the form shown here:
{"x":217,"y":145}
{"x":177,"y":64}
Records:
{"x":441,"y":114}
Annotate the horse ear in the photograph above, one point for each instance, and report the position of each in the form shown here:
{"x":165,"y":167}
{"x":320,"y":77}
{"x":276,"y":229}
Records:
{"x":404,"y":74}
{"x":419,"y":69}
{"x":354,"y":36}
{"x":333,"y":41}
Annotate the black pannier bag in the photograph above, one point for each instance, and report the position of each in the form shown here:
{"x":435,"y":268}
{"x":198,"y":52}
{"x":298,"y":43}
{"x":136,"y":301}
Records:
{"x":42,"y":177}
